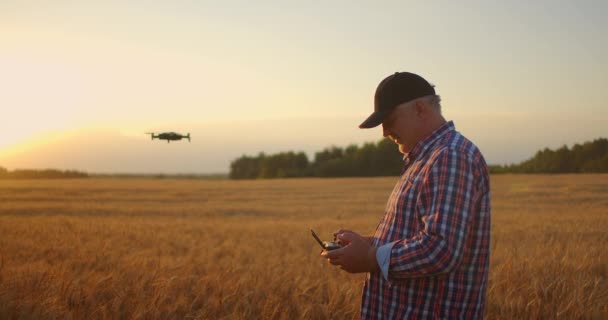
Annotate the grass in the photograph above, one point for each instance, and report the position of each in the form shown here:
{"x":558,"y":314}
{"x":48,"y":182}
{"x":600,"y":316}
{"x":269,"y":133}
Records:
{"x":219,"y":249}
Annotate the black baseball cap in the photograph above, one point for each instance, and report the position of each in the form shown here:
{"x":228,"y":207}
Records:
{"x":394,"y":90}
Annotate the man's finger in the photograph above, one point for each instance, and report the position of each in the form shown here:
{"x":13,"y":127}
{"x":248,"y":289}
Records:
{"x":339,"y":231}
{"x":333,"y":253}
{"x":348,"y":237}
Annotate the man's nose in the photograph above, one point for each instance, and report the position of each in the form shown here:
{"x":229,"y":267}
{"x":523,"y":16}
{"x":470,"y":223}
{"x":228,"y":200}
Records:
{"x":385,"y":131}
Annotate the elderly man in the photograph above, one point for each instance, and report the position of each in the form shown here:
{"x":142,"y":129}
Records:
{"x":429,"y":256}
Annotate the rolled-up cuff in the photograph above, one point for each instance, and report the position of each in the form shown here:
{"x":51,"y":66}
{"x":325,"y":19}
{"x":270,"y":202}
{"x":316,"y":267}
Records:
{"x":383,"y":256}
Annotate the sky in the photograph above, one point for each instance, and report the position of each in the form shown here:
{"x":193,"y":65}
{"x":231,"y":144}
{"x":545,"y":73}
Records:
{"x":81,"y":82}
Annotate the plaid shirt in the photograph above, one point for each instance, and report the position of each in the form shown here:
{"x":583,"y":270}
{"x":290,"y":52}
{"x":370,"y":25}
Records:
{"x":436,"y":227}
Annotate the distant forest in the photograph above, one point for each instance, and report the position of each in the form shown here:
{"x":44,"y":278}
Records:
{"x":589,"y":157}
{"x":40,"y":174}
{"x":384,"y":159}
{"x":370,"y":159}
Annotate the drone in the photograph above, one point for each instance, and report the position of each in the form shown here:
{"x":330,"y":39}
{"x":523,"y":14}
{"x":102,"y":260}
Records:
{"x":169,"y":136}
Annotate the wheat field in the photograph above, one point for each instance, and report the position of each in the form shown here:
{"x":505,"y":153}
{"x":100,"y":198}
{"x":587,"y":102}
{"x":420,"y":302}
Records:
{"x":104,"y":248}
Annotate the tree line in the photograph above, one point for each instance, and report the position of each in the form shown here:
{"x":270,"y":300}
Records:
{"x":383,"y":159}
{"x":370,"y":159}
{"x":40,"y":174}
{"x":589,"y":157}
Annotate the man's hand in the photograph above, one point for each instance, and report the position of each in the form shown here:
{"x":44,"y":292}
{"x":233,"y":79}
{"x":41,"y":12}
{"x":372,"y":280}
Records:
{"x":356,"y":255}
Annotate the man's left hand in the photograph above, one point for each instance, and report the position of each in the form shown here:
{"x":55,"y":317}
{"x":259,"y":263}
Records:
{"x":357,"y":255}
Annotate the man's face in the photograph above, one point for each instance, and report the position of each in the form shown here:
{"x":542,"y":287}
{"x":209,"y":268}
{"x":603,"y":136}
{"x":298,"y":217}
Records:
{"x":400,"y":126}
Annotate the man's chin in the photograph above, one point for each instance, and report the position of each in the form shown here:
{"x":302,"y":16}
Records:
{"x":403,"y":149}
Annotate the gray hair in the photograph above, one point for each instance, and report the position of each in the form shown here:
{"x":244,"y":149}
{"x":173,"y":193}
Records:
{"x":435,"y":101}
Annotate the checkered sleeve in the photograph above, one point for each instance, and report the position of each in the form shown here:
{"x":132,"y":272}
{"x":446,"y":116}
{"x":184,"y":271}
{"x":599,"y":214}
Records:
{"x":444,"y":203}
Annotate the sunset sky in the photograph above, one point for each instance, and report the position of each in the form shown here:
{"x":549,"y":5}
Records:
{"x":82,"y":81}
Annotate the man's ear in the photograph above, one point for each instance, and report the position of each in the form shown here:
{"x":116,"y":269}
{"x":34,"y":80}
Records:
{"x":421,"y":108}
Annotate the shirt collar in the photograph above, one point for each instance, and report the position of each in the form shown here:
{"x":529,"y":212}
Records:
{"x":423,"y":145}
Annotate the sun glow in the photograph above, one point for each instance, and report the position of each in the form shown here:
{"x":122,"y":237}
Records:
{"x":35,"y":143}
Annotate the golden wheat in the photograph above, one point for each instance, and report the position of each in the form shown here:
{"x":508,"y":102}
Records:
{"x":219,"y":249}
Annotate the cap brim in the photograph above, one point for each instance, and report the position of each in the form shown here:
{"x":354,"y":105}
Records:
{"x":374,"y":120}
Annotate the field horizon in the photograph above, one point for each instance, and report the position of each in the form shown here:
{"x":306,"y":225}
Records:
{"x":134,"y":248}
